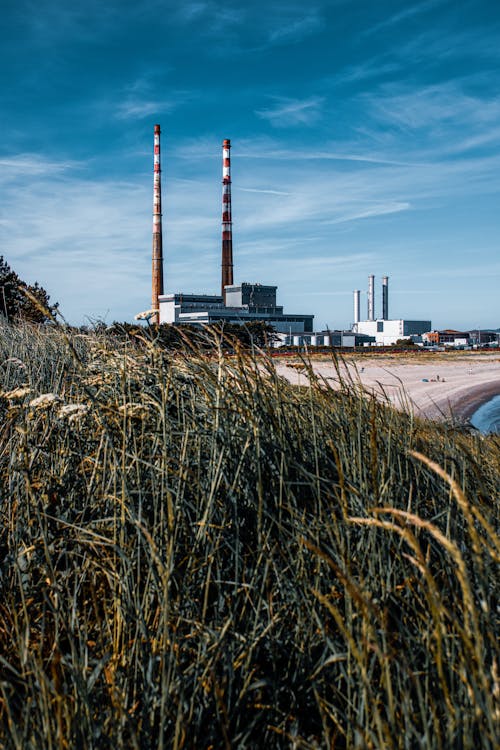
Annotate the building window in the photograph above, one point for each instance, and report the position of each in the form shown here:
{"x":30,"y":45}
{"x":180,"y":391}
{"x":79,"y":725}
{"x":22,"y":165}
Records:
{"x":380,"y":326}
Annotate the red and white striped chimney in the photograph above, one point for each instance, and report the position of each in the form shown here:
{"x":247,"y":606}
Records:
{"x":227,"y":224}
{"x":157,"y":271}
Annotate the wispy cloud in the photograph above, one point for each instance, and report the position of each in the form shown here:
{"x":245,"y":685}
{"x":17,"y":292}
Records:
{"x":438,"y":104}
{"x":380,"y":209}
{"x":209,"y":17}
{"x":138,"y":108}
{"x":469,"y":143}
{"x":58,"y":22}
{"x":296,"y":29}
{"x":433,"y":122}
{"x":440,"y":43}
{"x":366,"y":71}
{"x":261,"y":190}
{"x":140,"y":97}
{"x":76,"y":231}
{"x":31,"y":164}
{"x":268,"y":148}
{"x":290,"y":112}
{"x":403,"y":15}
{"x":191,"y":11}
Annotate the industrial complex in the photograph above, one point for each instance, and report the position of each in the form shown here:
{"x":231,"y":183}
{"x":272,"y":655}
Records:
{"x":241,"y":303}
{"x":246,"y":302}
{"x":237,"y":303}
{"x":384,"y":330}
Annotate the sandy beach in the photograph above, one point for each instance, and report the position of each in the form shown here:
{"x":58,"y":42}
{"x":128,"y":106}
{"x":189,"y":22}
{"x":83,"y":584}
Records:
{"x":436,"y":386}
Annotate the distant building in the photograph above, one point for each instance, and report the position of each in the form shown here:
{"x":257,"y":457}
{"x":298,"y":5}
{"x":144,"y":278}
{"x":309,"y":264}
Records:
{"x":244,"y":303}
{"x":450,"y":337}
{"x":255,"y":297}
{"x":447,"y":337}
{"x":387,"y":332}
{"x":327,"y":338}
{"x":478,"y":337}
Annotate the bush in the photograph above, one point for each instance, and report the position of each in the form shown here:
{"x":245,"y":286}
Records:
{"x":20,"y":301}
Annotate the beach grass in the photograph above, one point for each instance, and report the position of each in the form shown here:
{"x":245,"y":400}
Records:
{"x":196,"y":554}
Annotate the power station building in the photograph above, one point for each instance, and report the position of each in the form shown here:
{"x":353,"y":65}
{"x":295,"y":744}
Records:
{"x":237,"y":303}
{"x":244,"y":303}
{"x":384,"y":330}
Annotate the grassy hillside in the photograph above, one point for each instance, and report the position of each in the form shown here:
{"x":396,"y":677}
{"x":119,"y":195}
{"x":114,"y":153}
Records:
{"x":195,"y":554}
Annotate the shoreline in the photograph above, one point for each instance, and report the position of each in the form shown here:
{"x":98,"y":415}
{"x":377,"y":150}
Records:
{"x":435,"y":389}
{"x":464,"y":408}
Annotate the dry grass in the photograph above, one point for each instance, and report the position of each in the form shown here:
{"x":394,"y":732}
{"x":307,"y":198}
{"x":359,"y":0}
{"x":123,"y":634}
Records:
{"x":196,"y":554}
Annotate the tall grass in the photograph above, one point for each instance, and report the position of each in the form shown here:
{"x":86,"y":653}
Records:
{"x":196,"y":554}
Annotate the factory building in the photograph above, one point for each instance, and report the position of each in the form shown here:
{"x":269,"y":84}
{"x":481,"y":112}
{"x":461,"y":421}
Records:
{"x":343,"y":339}
{"x":451,"y":338}
{"x":244,"y":303}
{"x":385,"y":331}
{"x":448,"y":337}
{"x":237,"y":303}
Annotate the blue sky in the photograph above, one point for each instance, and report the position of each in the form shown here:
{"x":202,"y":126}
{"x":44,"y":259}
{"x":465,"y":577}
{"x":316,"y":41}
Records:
{"x":365,"y":139}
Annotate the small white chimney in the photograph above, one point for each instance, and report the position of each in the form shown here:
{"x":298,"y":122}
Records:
{"x":371,"y":297}
{"x":357,"y":298}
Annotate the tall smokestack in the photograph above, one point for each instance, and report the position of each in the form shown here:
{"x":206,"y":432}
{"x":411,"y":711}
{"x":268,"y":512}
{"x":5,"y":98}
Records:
{"x":357,"y":298}
{"x":371,"y":297}
{"x":157,"y":274}
{"x":227,"y":224}
{"x":385,"y":298}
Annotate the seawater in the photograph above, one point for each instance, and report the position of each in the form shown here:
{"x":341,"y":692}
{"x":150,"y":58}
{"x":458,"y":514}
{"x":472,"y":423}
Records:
{"x":487,"y":418}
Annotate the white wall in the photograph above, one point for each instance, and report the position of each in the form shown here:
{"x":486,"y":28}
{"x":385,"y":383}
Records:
{"x":392,"y":330}
{"x":169,"y":312}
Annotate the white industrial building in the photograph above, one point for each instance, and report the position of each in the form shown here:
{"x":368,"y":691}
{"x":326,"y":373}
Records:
{"x":387,"y":332}
{"x":384,"y":330}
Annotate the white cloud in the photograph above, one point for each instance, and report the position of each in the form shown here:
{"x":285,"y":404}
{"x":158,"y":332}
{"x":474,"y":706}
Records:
{"x":140,"y":98}
{"x":212,"y":18}
{"x":441,"y":105}
{"x":407,"y":13}
{"x":289,"y":112}
{"x":295,"y":29}
{"x":381,"y":209}
{"x":139,"y":109}
{"x":32,"y":164}
{"x":262,"y":190}
{"x":367,"y":70}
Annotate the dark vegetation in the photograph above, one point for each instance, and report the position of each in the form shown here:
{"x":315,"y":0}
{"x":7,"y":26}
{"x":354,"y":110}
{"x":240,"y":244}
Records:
{"x":16,"y":305}
{"x":195,"y":554}
{"x":189,"y":338}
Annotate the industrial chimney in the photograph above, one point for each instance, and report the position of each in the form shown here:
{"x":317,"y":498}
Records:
{"x":357,"y":297}
{"x":157,"y":274}
{"x":385,"y":298}
{"x":371,"y":297}
{"x":227,"y":228}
